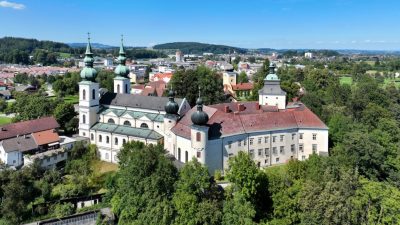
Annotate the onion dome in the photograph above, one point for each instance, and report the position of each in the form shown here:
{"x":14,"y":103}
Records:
{"x":272,"y":75}
{"x":199,"y":117}
{"x":121,"y":70}
{"x":88,"y":72}
{"x":171,"y":107}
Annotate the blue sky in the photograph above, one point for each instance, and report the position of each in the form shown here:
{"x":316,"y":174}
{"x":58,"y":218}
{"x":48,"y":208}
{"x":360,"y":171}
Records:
{"x":316,"y":24}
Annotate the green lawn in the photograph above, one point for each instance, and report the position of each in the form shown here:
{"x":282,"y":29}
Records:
{"x":64,"y":55}
{"x":396,"y":81}
{"x":74,"y":99}
{"x":346,"y":80}
{"x":4,"y":120}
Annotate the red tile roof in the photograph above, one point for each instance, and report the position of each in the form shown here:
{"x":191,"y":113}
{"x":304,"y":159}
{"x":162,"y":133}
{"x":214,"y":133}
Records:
{"x":27,"y":127}
{"x":46,"y":137}
{"x":251,"y":118}
{"x":242,"y":86}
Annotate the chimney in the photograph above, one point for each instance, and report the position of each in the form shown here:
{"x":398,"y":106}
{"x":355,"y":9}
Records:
{"x":257,"y":106}
{"x":240,"y":107}
{"x":226,"y":109}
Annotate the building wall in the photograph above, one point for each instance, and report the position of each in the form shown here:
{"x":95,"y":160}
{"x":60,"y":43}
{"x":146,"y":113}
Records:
{"x":11,"y":158}
{"x":273,"y":100}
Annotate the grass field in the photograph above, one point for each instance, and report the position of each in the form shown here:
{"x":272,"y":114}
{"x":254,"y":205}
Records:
{"x":346,"y":80}
{"x":64,"y":55}
{"x":4,"y":120}
{"x":103,"y":167}
{"x":349,"y":81}
{"x":74,"y":99}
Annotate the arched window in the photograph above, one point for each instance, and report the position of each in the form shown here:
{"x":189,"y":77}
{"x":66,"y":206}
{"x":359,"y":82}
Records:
{"x":111,"y":121}
{"x":198,"y":136}
{"x":83,"y":118}
{"x":186,"y":156}
{"x":116,"y":141}
{"x":100,"y":138}
{"x":93,"y":94}
{"x":92,"y":137}
{"x":107,"y":139}
{"x":179,"y":154}
{"x":126,"y":88}
{"x":144,"y":125}
{"x":118,"y":87}
{"x":83,"y":94}
{"x":127,"y":123}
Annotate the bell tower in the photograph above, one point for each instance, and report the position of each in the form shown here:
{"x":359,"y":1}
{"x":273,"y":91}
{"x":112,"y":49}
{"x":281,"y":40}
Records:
{"x":272,"y":94}
{"x":88,"y":94}
{"x":122,"y":83}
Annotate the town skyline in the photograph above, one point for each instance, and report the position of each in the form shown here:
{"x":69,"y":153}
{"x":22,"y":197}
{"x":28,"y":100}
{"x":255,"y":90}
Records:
{"x":283,"y":24}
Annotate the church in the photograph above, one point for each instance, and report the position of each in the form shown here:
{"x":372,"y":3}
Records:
{"x":270,"y":130}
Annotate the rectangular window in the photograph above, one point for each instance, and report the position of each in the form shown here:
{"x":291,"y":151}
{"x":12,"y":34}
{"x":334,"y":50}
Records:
{"x":259,"y":140}
{"x":301,"y":136}
{"x":273,"y":139}
{"x":266,"y":161}
{"x":266,"y":151}
{"x":292,"y":148}
{"x":293,"y":136}
{"x":260,"y":151}
{"x":314,"y":137}
{"x":274,"y":150}
{"x":251,"y":141}
{"x":301,"y":147}
{"x":303,"y":157}
{"x":230,"y":155}
{"x":245,"y":142}
{"x":282,"y":149}
{"x":314,"y":148}
{"x":277,"y":160}
{"x":281,"y":138}
{"x":229,"y":144}
{"x":266,"y":139}
{"x":198,"y":154}
{"x":251,"y":153}
{"x":240,"y":143}
{"x":198,"y":136}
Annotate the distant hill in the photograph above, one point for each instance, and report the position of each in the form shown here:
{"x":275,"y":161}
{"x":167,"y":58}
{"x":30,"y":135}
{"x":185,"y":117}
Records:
{"x":94,"y":45}
{"x":198,"y":48}
{"x":17,"y":50}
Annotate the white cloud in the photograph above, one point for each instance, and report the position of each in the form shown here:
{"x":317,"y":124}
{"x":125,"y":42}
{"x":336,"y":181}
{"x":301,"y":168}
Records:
{"x":13,"y":5}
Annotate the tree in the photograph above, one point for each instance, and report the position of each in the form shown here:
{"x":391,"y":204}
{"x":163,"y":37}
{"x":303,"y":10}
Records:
{"x":242,"y":78}
{"x":187,"y":84}
{"x":197,"y":198}
{"x":64,"y":113}
{"x":145,"y":186}
{"x":258,"y":79}
{"x":32,"y":106}
{"x":238,"y":211}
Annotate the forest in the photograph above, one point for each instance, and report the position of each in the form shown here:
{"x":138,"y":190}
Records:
{"x":199,"y":48}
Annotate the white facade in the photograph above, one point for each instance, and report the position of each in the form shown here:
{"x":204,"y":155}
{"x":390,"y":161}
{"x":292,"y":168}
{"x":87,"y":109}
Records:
{"x":88,"y":106}
{"x":273,"y":100}
{"x":122,"y":85}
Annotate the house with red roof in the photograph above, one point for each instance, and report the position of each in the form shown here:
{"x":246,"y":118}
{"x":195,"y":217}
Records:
{"x":269,"y":130}
{"x":21,"y":142}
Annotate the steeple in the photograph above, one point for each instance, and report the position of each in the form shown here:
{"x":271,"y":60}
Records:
{"x":88,"y":73}
{"x":171,"y":107}
{"x":121,"y":70}
{"x":199,"y":117}
{"x":272,"y":76}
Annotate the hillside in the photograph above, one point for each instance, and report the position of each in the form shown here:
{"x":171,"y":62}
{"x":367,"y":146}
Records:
{"x":198,"y":48}
{"x":17,"y":50}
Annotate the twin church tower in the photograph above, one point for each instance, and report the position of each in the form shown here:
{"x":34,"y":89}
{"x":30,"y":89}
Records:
{"x":89,"y":97}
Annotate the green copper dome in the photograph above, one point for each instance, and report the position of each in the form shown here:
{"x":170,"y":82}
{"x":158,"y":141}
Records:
{"x":272,"y":76}
{"x":88,"y":73}
{"x":171,"y":107}
{"x":121,"y":70}
{"x":199,"y":117}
